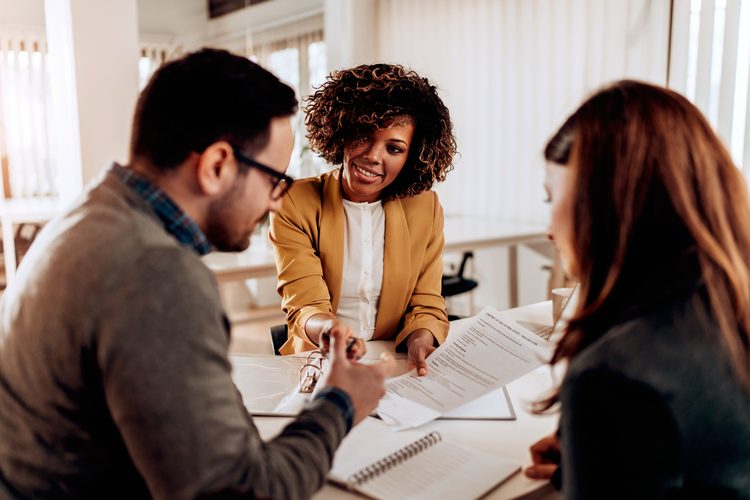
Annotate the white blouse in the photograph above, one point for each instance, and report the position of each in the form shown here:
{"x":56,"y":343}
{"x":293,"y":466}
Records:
{"x":362,"y":278}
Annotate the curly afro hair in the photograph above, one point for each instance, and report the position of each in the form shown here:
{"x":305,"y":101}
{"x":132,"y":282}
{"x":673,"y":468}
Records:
{"x":353,"y":103}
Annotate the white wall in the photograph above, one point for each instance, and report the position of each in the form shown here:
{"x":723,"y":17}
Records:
{"x":510,"y":71}
{"x":93,"y":46}
{"x":173,"y":18}
{"x":351,"y":29}
{"x":22,"y":12}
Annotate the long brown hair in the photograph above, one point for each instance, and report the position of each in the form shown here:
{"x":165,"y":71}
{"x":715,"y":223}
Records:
{"x":655,"y":189}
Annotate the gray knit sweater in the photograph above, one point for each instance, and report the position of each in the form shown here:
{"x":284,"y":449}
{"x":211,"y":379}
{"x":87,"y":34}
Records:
{"x":114,"y":377}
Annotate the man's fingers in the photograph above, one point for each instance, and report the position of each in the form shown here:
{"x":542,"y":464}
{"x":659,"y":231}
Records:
{"x":540,"y":471}
{"x":387,"y":365}
{"x":338,"y":344}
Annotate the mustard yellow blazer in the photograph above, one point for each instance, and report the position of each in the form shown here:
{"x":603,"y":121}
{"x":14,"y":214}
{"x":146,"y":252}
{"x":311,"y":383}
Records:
{"x":308,"y":239}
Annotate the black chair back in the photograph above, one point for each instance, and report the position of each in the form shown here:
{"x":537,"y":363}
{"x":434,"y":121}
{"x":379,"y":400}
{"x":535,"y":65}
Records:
{"x":279,"y":334}
{"x":455,"y":284}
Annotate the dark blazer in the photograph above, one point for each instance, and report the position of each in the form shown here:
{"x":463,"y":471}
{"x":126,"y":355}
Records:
{"x":652,"y":410}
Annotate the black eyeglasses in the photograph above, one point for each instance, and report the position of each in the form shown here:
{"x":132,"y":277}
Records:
{"x":281,"y":182}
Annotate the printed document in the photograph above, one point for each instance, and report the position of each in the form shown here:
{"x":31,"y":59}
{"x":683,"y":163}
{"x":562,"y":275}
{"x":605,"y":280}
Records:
{"x":481,"y":355}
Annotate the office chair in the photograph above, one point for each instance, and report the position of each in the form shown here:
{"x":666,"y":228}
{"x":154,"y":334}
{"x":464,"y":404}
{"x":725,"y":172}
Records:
{"x":456,"y":284}
{"x":279,"y":334}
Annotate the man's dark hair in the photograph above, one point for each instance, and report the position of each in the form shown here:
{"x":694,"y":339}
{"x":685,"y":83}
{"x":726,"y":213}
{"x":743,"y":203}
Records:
{"x":206,"y":96}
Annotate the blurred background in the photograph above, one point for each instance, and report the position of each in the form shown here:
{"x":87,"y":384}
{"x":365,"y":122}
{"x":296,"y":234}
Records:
{"x":509,"y":70}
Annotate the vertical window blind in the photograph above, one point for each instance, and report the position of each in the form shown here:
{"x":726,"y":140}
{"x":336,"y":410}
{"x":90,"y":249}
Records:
{"x":710,"y":64}
{"x":299,"y":61}
{"x":27,"y":169}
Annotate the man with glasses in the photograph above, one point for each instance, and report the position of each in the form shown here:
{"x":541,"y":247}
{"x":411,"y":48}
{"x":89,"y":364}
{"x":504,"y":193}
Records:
{"x":281,"y":181}
{"x":114,"y":375}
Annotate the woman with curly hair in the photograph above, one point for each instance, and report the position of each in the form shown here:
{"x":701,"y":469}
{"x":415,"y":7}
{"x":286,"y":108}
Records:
{"x":360,"y":248}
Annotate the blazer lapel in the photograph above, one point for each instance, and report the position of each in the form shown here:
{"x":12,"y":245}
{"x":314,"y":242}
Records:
{"x":331,"y":242}
{"x":396,"y":270}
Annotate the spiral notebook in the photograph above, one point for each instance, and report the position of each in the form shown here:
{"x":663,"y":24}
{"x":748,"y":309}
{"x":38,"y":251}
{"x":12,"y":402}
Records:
{"x":384,"y":464}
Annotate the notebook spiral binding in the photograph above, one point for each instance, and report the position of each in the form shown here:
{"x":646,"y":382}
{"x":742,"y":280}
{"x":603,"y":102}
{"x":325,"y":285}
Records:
{"x":384,"y":464}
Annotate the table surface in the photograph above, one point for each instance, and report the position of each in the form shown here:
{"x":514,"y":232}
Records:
{"x":471,"y":233}
{"x":510,"y":439}
{"x":31,"y":209}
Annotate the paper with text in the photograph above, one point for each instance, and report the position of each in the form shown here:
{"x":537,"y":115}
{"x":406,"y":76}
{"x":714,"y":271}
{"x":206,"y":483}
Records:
{"x":482,"y":355}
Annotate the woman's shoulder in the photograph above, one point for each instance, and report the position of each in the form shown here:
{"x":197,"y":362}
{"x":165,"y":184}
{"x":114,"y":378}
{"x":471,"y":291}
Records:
{"x":664,"y":333}
{"x":428,"y":197}
{"x":421,"y":201}
{"x":307,"y":186}
{"x":661,"y":349}
{"x":423,"y":211}
{"x":307,"y":191}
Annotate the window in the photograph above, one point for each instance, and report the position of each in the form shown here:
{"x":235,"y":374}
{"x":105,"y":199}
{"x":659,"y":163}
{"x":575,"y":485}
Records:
{"x":27,"y":167}
{"x":152,"y":56}
{"x":300,"y":62}
{"x":710,"y":65}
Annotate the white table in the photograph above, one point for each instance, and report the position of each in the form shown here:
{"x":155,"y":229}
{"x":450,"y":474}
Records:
{"x":508,"y":438}
{"x":255,"y":262}
{"x":473,"y":233}
{"x":16,"y":211}
{"x":461,"y":234}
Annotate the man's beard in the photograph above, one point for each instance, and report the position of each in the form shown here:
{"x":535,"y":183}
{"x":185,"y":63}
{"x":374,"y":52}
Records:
{"x":221,"y":221}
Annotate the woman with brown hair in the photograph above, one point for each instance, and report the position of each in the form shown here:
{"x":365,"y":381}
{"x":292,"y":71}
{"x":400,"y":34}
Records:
{"x":360,"y":248}
{"x":652,"y":217}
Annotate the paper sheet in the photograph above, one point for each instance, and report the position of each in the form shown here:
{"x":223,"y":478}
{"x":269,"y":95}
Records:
{"x":494,"y":405}
{"x":482,"y":355}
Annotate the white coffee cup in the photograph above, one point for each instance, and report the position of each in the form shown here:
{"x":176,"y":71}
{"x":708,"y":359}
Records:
{"x":560,"y":297}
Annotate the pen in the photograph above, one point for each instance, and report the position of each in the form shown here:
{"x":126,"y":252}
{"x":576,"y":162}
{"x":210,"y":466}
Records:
{"x":350,"y":343}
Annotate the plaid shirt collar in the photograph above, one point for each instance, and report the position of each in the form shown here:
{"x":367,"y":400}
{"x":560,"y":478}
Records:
{"x":175,"y":221}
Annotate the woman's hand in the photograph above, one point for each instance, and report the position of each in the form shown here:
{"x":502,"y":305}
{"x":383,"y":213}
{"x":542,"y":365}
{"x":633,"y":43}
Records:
{"x":355,"y":345}
{"x":363,"y":383}
{"x":545,"y":457}
{"x":420,"y":344}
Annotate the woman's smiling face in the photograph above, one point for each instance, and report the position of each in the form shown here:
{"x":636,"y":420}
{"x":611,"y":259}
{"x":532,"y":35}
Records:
{"x":372,"y":163}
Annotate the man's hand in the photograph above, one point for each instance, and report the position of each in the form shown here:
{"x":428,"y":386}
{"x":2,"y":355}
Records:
{"x":420,"y":344}
{"x":354,"y":346}
{"x":545,"y":457}
{"x":365,"y":384}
